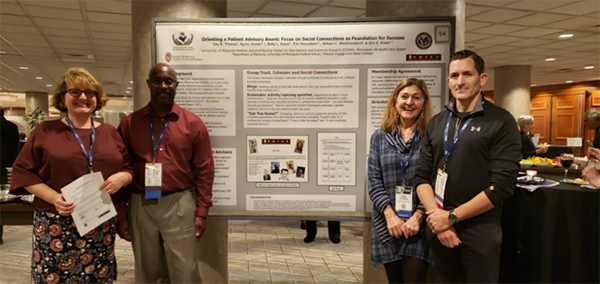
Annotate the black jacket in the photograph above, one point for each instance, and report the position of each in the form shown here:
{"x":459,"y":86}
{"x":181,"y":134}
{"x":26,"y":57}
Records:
{"x":487,"y":153}
{"x":527,"y":148}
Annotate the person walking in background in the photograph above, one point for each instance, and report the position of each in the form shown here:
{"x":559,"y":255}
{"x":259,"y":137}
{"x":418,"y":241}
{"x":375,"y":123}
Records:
{"x":167,"y":216}
{"x":9,"y":145}
{"x":470,"y":154}
{"x":528,"y":149}
{"x":57,"y":153}
{"x":333,"y":228}
{"x":398,"y":234}
{"x":592,"y":122}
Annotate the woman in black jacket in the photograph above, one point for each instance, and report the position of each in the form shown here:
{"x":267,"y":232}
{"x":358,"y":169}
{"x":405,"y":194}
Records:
{"x":528,"y":149}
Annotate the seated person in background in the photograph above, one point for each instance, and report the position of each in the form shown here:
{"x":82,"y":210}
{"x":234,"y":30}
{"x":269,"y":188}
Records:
{"x":592,"y":122}
{"x":528,"y":149}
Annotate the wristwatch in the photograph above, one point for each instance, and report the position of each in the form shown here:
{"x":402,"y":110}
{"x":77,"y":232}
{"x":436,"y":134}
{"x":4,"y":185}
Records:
{"x":452,"y":217}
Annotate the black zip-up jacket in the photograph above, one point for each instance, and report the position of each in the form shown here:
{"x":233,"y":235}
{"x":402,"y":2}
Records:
{"x":487,"y":153}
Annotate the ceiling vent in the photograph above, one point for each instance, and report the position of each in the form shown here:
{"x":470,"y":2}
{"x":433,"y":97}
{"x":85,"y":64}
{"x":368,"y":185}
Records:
{"x":78,"y":58}
{"x":561,"y":70}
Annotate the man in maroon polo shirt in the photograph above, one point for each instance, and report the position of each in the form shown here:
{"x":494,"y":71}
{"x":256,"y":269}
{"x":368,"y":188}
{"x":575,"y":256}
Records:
{"x":172,"y":187}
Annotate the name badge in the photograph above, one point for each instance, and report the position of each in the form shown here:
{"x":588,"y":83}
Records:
{"x":440,"y":187}
{"x":153,"y":180}
{"x":404,"y":201}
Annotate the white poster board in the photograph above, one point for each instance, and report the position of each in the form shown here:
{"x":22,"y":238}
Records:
{"x":261,"y":86}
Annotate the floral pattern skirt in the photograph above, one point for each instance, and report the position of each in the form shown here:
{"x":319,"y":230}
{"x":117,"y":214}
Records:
{"x":60,"y":255}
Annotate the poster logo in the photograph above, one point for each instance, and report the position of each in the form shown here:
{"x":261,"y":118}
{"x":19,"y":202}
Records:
{"x":182,"y":39}
{"x":423,"y":40}
{"x":168,"y":57}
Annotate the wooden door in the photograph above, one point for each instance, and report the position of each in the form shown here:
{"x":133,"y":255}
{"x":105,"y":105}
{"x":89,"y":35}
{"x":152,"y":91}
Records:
{"x":592,"y":101}
{"x":541,"y":110}
{"x":565,"y":118}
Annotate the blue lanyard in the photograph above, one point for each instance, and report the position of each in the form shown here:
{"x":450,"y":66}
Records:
{"x":89,"y":157}
{"x":405,"y":160}
{"x":449,"y":148}
{"x":404,"y":164}
{"x":157,"y":142}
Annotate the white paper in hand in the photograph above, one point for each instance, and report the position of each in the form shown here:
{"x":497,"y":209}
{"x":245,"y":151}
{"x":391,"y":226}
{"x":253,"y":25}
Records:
{"x":92,"y":205}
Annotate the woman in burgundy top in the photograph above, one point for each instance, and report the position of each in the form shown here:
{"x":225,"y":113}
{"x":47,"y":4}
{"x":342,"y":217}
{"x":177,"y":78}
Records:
{"x":57,"y":153}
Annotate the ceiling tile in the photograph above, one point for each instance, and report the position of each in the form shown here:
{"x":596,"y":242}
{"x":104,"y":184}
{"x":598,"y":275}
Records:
{"x":500,"y":15}
{"x":67,"y":4}
{"x":11,"y":9}
{"x":472,"y":37}
{"x":538,"y":19}
{"x":590,"y":47}
{"x":104,"y":42}
{"x":535,"y":32}
{"x":579,"y":8}
{"x":574,"y":23}
{"x":64,"y":39}
{"x":328,"y":11}
{"x":15,"y":20}
{"x":99,"y":17}
{"x":108,"y":48}
{"x":498,"y":48}
{"x":112,"y":28}
{"x":55,"y":13}
{"x":106,"y":6}
{"x":500,"y":40}
{"x":60,"y":32}
{"x":248,"y":6}
{"x":349,"y":3}
{"x":499,"y":29}
{"x":539,"y":5}
{"x":471,"y":10}
{"x":590,"y":39}
{"x":287,"y":9}
{"x":60,"y":24}
{"x":473,"y":25}
{"x":19,"y":29}
{"x":531,"y":42}
{"x":112,"y":36}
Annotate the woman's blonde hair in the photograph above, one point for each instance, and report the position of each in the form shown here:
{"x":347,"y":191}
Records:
{"x":391,"y":117}
{"x":73,"y":76}
{"x":524,"y":119}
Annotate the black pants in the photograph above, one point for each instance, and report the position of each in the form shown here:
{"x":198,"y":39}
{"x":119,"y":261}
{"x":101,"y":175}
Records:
{"x":475,"y":260}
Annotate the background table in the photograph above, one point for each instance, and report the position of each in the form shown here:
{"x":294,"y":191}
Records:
{"x":551,"y":235}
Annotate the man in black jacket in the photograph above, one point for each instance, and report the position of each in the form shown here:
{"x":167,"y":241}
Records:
{"x":470,"y":154}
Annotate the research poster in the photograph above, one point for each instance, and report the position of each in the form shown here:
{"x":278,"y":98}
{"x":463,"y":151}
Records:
{"x":291,"y":105}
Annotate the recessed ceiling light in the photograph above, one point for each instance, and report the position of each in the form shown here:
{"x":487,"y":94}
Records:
{"x":533,"y":85}
{"x":550,"y":59}
{"x":2,"y":52}
{"x":48,"y":85}
{"x":39,"y":78}
{"x":24,"y":68}
{"x":565,"y":36}
{"x":129,"y":88}
{"x":569,"y":81}
{"x":130,"y":82}
{"x":127,"y":92}
{"x":588,"y":67}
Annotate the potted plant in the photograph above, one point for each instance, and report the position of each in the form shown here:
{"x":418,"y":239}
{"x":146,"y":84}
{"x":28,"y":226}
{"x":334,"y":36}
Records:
{"x":34,"y":118}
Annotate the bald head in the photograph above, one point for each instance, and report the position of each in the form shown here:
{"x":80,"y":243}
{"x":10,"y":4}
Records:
{"x":162,"y":83}
{"x":162,"y":67}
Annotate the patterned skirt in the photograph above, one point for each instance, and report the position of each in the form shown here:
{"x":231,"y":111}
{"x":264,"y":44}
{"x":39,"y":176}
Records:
{"x":60,"y":255}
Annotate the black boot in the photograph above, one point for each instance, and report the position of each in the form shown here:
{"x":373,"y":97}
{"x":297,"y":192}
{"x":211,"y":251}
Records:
{"x":311,"y":231}
{"x":334,"y":231}
{"x":303,"y":225}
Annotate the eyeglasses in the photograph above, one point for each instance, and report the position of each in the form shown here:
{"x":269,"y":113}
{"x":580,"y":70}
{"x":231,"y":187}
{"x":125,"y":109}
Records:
{"x":159,"y":82}
{"x":76,"y":93}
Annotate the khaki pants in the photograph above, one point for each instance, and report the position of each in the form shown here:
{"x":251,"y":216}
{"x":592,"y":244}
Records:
{"x":163,"y":236}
